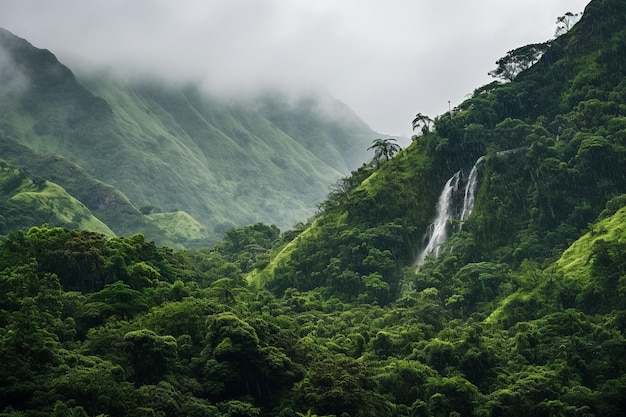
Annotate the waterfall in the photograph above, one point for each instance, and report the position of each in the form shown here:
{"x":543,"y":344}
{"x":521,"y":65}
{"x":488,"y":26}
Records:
{"x":470,"y":190}
{"x":437,"y":232}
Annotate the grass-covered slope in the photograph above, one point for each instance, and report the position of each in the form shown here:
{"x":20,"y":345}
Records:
{"x":587,"y":277}
{"x":226,"y":163}
{"x":578,"y":260}
{"x":27,"y":200}
{"x":178,"y":229}
{"x":103,"y":201}
{"x":170,"y":147}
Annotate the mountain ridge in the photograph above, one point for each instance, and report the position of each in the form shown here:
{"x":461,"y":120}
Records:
{"x":520,"y":311}
{"x":169,"y":147}
{"x":529,"y":204}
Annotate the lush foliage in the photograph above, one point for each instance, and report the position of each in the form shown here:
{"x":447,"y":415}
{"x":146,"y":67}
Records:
{"x":92,"y":326}
{"x":522,"y":313}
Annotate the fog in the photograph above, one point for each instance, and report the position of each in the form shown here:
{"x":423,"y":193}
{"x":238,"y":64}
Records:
{"x":12,"y":81}
{"x":387,"y":60}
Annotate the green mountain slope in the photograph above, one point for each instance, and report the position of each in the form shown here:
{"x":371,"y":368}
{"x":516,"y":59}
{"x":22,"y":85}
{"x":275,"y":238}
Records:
{"x":600,"y":244}
{"x":588,"y":277}
{"x":103,"y":201}
{"x":520,"y":313}
{"x":554,"y":153}
{"x":27,"y":200}
{"x":169,"y":147}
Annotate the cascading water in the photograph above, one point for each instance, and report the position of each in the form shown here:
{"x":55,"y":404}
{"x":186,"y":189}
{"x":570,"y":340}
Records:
{"x":438,"y":231}
{"x":470,"y":190}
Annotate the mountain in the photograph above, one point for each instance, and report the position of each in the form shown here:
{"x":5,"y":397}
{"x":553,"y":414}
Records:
{"x":27,"y":200}
{"x":518,"y":309}
{"x":166,"y":148}
{"x":551,"y":145}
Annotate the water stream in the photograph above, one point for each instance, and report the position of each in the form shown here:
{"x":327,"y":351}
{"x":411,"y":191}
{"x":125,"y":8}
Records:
{"x":470,"y":191}
{"x":437,"y":232}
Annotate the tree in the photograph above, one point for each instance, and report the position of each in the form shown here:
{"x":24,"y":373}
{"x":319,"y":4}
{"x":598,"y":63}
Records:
{"x":29,"y":347}
{"x":451,"y":396}
{"x":150,"y":354}
{"x":422,"y":120}
{"x":232,"y":356}
{"x":93,"y":384}
{"x":339,"y":384}
{"x":384,"y":148}
{"x":518,"y":60}
{"x":225,"y":290}
{"x":119,"y":299}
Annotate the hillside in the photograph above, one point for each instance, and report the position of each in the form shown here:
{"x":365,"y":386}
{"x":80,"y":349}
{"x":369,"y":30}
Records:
{"x":551,"y":160}
{"x":21,"y":194}
{"x":518,"y":309}
{"x":169,"y":148}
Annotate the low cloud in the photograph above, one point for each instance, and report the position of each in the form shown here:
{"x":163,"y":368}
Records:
{"x":386,"y":60}
{"x":12,"y":81}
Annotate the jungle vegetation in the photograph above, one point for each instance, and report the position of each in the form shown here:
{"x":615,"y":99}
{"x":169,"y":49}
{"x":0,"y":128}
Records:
{"x":522,"y":312}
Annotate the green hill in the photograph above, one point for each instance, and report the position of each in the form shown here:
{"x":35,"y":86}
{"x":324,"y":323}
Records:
{"x":578,"y":261}
{"x":32,"y":200}
{"x":552,"y":160}
{"x":170,"y":147}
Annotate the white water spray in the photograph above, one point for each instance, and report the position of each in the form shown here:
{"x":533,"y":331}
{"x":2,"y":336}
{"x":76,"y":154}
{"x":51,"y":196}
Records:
{"x":470,"y":191}
{"x":437,"y":232}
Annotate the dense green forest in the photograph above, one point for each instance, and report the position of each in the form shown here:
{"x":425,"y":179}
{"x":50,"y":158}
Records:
{"x":521,"y":313}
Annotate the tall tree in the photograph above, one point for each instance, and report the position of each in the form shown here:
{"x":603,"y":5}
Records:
{"x":384,"y":149}
{"x":518,"y":60}
{"x":423,"y":121}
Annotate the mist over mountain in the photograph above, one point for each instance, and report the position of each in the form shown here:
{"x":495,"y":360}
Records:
{"x":480,"y":271}
{"x":217,"y":161}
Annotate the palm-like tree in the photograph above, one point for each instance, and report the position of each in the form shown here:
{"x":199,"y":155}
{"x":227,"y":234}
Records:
{"x":424,"y":121}
{"x":384,"y":149}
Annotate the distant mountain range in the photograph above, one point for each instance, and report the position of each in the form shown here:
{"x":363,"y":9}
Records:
{"x":171,"y":161}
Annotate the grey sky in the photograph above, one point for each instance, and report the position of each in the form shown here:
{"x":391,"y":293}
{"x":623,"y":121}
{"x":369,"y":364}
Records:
{"x":386,"y":59}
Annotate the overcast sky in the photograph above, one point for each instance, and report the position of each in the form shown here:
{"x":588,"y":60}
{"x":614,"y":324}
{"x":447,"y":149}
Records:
{"x":386,"y":59}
